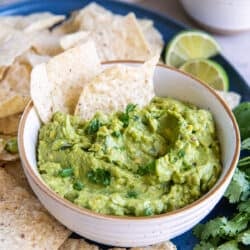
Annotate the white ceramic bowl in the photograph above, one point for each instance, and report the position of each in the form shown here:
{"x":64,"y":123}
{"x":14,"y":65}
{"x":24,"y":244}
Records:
{"x":223,"y":16}
{"x":139,"y":231}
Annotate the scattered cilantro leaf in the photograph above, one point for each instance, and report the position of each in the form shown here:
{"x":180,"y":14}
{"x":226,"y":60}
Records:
{"x":237,"y":224}
{"x":238,"y":186}
{"x":229,"y":245}
{"x":213,"y":228}
{"x":244,"y":237}
{"x":244,"y":162}
{"x":245,"y":145}
{"x":204,"y":246}
{"x":244,"y":206}
{"x":230,"y":233}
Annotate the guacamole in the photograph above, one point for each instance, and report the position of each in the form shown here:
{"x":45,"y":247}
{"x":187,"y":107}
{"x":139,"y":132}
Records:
{"x":143,"y":161}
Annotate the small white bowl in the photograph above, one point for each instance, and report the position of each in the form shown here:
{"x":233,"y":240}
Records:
{"x":221,"y":16}
{"x":139,"y":231}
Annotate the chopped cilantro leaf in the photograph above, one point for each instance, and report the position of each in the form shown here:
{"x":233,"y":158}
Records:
{"x":146,"y":169}
{"x":99,"y":176}
{"x":94,"y":126}
{"x":132,"y":194}
{"x":124,"y":117}
{"x":148,"y":211}
{"x":78,"y":185}
{"x":130,"y":107}
{"x":66,"y":172}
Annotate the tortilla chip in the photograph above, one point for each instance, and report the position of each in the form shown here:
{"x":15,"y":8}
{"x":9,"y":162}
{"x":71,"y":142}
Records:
{"x":74,"y":39}
{"x":12,"y":103}
{"x":17,"y":78}
{"x":31,"y":23}
{"x":5,"y":156}
{"x":32,"y":58}
{"x":2,"y":71}
{"x":77,"y":244}
{"x":15,"y":170}
{"x":7,"y":183}
{"x":9,"y":124}
{"x":14,"y":89}
{"x":46,"y":43}
{"x":168,"y":245}
{"x":118,"y":38}
{"x":162,"y":246}
{"x":24,"y":222}
{"x":67,"y":26}
{"x":56,"y":86}
{"x":152,"y":35}
{"x":12,"y":45}
{"x":116,"y":87}
{"x":231,"y":98}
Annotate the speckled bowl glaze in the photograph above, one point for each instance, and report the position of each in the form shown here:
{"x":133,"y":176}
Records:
{"x":139,"y":231}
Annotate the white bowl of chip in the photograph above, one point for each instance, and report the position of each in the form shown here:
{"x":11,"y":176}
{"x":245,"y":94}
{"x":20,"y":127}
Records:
{"x":131,"y":231}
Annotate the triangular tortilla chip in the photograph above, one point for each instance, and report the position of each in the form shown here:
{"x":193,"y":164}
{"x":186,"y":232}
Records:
{"x":46,"y":43}
{"x":152,"y":35}
{"x":33,"y":22}
{"x":71,"y":40}
{"x":231,"y":98}
{"x":168,"y":245}
{"x":116,"y":87}
{"x":77,"y":244}
{"x":9,"y":124}
{"x":24,"y":222}
{"x":116,"y":37}
{"x":56,"y":86}
{"x":12,"y":45}
{"x":15,"y":170}
{"x":14,"y":89}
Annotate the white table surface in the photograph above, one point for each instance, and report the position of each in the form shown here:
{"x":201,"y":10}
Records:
{"x":236,"y":48}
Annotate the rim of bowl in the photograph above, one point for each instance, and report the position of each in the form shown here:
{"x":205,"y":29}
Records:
{"x":91,"y":213}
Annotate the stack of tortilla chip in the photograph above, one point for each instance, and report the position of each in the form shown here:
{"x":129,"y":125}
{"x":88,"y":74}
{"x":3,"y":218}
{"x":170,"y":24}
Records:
{"x":90,"y":35}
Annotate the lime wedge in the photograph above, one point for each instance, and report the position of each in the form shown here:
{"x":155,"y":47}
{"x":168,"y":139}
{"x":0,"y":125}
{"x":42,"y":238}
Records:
{"x":190,"y":45}
{"x":207,"y":71}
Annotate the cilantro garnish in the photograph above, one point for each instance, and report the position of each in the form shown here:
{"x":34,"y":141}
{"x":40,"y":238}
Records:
{"x":230,"y":233}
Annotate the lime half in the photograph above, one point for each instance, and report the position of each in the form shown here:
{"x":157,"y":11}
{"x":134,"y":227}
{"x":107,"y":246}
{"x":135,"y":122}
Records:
{"x":190,"y":45}
{"x":207,"y":71}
